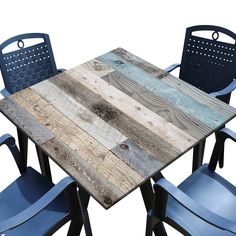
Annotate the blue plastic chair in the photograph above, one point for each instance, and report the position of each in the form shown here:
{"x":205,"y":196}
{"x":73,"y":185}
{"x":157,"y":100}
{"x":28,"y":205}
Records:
{"x":33,"y":205}
{"x":203,"y":204}
{"x":29,"y":63}
{"x":210,"y":65}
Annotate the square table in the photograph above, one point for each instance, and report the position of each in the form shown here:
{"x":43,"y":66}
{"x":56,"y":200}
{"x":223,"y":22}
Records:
{"x":114,"y":122}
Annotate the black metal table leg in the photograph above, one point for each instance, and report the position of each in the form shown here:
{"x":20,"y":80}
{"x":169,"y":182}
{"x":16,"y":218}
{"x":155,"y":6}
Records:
{"x":198,"y":152}
{"x":148,"y":196}
{"x":23,"y":144}
{"x":44,"y":163}
{"x":76,"y":225}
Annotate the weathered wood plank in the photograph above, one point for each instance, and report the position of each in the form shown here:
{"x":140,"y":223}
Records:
{"x":181,"y":100}
{"x":80,"y":115}
{"x":99,"y":187}
{"x":170,"y":133}
{"x":126,"y":125}
{"x":96,"y":155}
{"x":25,"y":121}
{"x":181,"y":85}
{"x":183,"y":121}
{"x":97,"y":67}
{"x":143,"y":162}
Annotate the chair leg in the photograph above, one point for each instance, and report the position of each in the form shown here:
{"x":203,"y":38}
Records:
{"x":221,"y":160}
{"x":198,"y":152}
{"x":23,"y":144}
{"x":147,"y":193}
{"x":44,"y":163}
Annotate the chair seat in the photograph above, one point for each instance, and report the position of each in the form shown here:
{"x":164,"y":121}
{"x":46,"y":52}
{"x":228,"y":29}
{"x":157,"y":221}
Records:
{"x":210,"y":190}
{"x":28,"y":188}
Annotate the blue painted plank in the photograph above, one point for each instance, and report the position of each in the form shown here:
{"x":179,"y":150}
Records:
{"x":175,"y":97}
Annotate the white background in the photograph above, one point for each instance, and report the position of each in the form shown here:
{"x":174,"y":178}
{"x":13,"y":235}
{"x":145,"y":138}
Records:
{"x":81,"y":30}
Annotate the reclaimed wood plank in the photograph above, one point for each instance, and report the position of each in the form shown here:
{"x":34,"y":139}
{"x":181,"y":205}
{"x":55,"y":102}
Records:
{"x":177,"y":117}
{"x":143,"y":162}
{"x":170,"y":133}
{"x":97,"y":67}
{"x":126,"y":125}
{"x":103,"y":161}
{"x":181,"y":85}
{"x":172,"y":95}
{"x":79,"y":114}
{"x":99,"y":187}
{"x":25,"y":121}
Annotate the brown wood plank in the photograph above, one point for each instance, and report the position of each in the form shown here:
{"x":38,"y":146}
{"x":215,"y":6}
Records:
{"x":126,"y":125}
{"x":181,"y":85}
{"x":99,"y":187}
{"x":80,"y":115}
{"x":143,"y":162}
{"x":172,"y":114}
{"x":96,"y":155}
{"x":25,"y":121}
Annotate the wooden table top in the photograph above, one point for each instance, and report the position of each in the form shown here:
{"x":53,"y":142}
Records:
{"x":113,"y":122}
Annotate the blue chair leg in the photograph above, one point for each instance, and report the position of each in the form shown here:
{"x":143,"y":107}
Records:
{"x":44,"y":163}
{"x":23,"y":145}
{"x":198,"y":152}
{"x":148,"y":195}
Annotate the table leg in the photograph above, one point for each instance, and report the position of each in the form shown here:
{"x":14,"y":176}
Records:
{"x":198,"y":152}
{"x":148,"y":196}
{"x":23,"y":144}
{"x":76,"y":225}
{"x":44,"y":163}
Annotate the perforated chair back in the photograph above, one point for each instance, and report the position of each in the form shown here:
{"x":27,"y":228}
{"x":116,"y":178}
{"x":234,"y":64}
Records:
{"x":29,"y":65}
{"x":207,"y":63}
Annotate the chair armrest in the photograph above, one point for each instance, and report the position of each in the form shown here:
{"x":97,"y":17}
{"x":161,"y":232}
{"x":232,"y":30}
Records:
{"x":61,"y":70}
{"x":194,"y":207}
{"x":171,"y":68}
{"x":10,"y":142}
{"x":230,"y":88}
{"x":227,"y":133}
{"x":5,"y":93}
{"x":37,"y":207}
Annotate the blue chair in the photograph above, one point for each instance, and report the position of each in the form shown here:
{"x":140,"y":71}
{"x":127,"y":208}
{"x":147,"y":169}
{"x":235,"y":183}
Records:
{"x":33,"y":205}
{"x":28,"y":63}
{"x":210,"y":65}
{"x":203,"y":204}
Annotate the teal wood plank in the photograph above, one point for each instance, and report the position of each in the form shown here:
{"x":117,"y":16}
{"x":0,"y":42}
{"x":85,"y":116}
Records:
{"x":175,"y":97}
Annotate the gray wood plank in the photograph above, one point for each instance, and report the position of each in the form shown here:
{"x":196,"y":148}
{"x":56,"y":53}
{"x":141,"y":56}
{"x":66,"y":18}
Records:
{"x":140,"y":160}
{"x":123,"y":123}
{"x":25,"y":121}
{"x":172,"y":114}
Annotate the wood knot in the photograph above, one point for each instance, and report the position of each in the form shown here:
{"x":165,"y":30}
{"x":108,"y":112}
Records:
{"x":124,"y":146}
{"x":119,"y":62}
{"x":107,"y":200}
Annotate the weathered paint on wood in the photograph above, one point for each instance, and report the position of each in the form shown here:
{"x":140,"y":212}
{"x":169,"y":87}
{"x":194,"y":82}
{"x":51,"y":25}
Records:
{"x":184,"y":102}
{"x":125,"y":124}
{"x":25,"y":121}
{"x":138,"y":159}
{"x":80,"y":115}
{"x":138,"y":112}
{"x":172,"y":81}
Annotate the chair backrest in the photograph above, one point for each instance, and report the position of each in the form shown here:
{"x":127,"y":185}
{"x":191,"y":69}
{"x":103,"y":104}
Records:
{"x":207,"y":63}
{"x":29,"y":65}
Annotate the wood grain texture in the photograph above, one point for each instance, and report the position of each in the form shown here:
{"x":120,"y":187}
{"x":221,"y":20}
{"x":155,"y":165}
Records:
{"x":135,"y":110}
{"x":172,"y":95}
{"x":84,"y":118}
{"x":177,"y":117}
{"x":25,"y":121}
{"x":126,"y":125}
{"x":180,"y":85}
{"x":141,"y":161}
{"x":99,"y":158}
{"x":97,"y":67}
